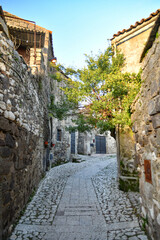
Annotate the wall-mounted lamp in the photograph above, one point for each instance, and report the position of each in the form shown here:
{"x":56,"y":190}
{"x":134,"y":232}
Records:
{"x":53,"y":60}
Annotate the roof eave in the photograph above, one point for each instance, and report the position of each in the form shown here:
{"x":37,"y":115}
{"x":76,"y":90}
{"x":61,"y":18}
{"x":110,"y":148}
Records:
{"x":143,"y":20}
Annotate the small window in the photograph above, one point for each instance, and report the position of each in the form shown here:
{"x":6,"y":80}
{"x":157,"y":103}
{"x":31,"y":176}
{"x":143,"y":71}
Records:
{"x":59,"y":135}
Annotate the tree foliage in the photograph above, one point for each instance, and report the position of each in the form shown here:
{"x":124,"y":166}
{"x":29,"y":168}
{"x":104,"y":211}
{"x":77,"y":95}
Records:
{"x":81,"y":123}
{"x":104,"y":90}
{"x":60,"y":109}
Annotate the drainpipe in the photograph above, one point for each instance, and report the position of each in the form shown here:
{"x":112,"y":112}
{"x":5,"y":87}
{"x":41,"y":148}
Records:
{"x":118,"y":149}
{"x":35,"y":44}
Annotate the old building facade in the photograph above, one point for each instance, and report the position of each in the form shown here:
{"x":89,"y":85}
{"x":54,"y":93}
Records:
{"x":146,"y":126}
{"x":133,"y":42}
{"x":96,"y":143}
{"x":142,"y":49}
{"x":29,"y":141}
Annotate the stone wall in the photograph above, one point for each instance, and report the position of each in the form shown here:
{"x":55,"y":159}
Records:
{"x":110,"y":144}
{"x":24,"y":127}
{"x":61,"y":151}
{"x":87,"y":142}
{"x":127,"y":164}
{"x":39,"y":59}
{"x":146,"y":126}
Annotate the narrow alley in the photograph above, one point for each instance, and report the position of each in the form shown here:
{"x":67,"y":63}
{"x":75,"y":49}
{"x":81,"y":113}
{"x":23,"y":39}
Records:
{"x":78,"y":201}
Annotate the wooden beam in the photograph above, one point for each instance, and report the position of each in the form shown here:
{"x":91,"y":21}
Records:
{"x":4,"y":26}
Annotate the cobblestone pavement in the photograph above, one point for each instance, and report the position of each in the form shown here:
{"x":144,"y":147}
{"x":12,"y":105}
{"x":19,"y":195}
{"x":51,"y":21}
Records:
{"x":80,"y":201}
{"x":118,"y":207}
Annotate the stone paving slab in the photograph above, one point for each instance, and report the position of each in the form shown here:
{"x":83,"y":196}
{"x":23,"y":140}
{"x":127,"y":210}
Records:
{"x":80,"y":201}
{"x":122,"y":225}
{"x":79,"y":206}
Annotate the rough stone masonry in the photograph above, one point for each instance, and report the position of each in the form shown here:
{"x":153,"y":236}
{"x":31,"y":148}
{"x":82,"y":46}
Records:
{"x":146,"y":120}
{"x":23,"y":115}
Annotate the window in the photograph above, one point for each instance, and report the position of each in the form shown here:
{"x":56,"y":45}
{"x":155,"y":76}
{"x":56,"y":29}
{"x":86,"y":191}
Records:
{"x":59,"y":135}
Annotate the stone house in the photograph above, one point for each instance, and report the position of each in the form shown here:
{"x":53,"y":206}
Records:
{"x":30,"y":139}
{"x":31,"y":41}
{"x":144,"y":139}
{"x":96,"y":143}
{"x":133,"y":42}
{"x":39,"y":57}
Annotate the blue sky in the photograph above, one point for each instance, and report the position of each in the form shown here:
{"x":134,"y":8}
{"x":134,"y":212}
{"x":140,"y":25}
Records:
{"x":81,"y":26}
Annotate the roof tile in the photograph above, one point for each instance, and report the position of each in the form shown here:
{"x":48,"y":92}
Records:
{"x":137,"y":23}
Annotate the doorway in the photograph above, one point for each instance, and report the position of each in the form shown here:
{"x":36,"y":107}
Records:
{"x":101,"y":144}
{"x":72,"y":142}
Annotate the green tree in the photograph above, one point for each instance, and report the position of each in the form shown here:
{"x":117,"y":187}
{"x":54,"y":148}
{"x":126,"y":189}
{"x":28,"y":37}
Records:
{"x":104,"y":90}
